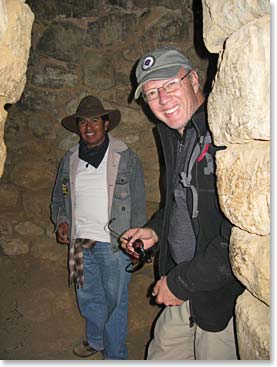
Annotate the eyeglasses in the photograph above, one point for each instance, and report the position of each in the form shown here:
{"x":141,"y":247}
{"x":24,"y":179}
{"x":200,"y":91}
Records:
{"x":138,"y":245}
{"x":169,"y":87}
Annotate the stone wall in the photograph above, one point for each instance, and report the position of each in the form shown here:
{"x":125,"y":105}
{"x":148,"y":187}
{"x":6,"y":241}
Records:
{"x":239,"y":116}
{"x":89,"y":47}
{"x":78,"y":48}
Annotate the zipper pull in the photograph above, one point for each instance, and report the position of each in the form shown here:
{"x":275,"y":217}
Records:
{"x":191,"y":321}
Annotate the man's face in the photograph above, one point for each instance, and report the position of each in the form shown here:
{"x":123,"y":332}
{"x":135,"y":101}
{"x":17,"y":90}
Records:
{"x":92,"y":130}
{"x":176,"y":108}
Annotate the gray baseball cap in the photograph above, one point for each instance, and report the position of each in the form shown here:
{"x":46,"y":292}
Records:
{"x":162,"y":63}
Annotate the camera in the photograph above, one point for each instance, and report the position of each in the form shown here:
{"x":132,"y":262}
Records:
{"x":138,"y":246}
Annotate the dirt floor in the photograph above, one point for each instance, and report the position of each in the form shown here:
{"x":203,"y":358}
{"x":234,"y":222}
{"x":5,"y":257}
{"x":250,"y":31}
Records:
{"x":39,"y":318}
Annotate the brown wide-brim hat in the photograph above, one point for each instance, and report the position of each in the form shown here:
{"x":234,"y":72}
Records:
{"x":89,"y":107}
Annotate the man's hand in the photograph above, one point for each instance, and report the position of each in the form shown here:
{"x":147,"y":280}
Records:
{"x":164,"y":295}
{"x":62,"y":233}
{"x":147,"y":235}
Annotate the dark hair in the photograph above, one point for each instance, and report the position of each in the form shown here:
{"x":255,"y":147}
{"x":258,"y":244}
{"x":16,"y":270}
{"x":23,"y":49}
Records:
{"x":105,"y":118}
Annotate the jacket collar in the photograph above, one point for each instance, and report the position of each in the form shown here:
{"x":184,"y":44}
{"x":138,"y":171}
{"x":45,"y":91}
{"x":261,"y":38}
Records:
{"x":199,"y":122}
{"x":117,"y":145}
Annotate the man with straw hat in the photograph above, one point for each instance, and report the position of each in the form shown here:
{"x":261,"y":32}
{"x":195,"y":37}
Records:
{"x":99,"y":181}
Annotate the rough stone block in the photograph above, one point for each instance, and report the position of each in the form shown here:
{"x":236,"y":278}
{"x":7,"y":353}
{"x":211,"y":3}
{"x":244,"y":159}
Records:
{"x":12,"y":246}
{"x":34,"y":175}
{"x":14,"y":50}
{"x":253,"y":328}
{"x":239,"y":104}
{"x":222,"y":18}
{"x":243,"y":180}
{"x":3,"y":18}
{"x":250,"y":259}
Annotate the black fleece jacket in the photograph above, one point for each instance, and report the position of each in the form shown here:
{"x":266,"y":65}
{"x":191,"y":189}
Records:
{"x":207,"y":280}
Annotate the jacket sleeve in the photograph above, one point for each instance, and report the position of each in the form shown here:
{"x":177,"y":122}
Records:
{"x":207,"y":271}
{"x":156,"y":223}
{"x":138,"y":210}
{"x":58,"y":207}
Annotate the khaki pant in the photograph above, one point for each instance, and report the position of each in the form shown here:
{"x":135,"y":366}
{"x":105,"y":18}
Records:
{"x":174,"y":339}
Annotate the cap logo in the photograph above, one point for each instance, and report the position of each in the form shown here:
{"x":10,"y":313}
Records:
{"x":148,"y":62}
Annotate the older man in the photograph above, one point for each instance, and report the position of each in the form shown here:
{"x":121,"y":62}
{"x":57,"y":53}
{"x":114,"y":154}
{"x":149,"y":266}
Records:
{"x":99,"y":182}
{"x":196,"y":282}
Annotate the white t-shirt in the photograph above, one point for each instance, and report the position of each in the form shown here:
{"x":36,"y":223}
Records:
{"x":92,"y":201}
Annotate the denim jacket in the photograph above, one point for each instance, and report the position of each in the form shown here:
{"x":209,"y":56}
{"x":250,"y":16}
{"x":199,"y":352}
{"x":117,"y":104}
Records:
{"x":125,"y":185}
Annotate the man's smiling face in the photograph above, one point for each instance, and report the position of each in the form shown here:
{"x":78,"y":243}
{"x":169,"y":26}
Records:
{"x":92,"y":130}
{"x":176,"y":108}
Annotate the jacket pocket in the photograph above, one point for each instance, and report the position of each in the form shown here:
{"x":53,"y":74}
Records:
{"x":122,"y":187}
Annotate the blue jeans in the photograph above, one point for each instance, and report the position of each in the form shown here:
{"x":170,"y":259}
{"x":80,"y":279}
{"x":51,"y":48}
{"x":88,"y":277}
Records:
{"x":103,"y":301}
